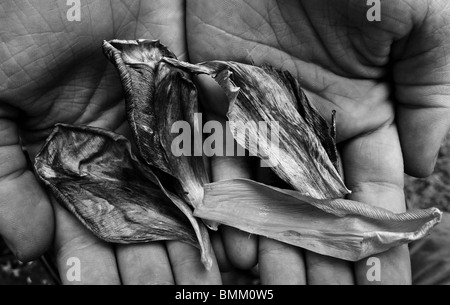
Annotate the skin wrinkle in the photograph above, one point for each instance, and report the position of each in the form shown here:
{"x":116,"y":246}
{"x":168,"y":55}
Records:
{"x":395,"y":186}
{"x":10,"y":167}
{"x":295,"y":31}
{"x":257,"y":43}
{"x":90,"y":18}
{"x":50,"y":51}
{"x":30,"y":76}
{"x":249,"y":19}
{"x":81,"y":243}
{"x":276,"y":34}
{"x":13,"y":174}
{"x":420,"y":107}
{"x":340,"y":36}
{"x":293,"y":60}
{"x":296,"y":62}
{"x":425,"y":52}
{"x":129,"y":12}
{"x":93,"y":92}
{"x":316,"y":32}
{"x":247,"y":40}
{"x":22,"y":70}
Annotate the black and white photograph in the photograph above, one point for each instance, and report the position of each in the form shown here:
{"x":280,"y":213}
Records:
{"x":228,"y":150}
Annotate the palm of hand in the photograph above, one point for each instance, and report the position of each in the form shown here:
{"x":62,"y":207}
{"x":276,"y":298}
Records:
{"x":65,"y":78}
{"x":337,"y":55}
{"x":348,"y":64}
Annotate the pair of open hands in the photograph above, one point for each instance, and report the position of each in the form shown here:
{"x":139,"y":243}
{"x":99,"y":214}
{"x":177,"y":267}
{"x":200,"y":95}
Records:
{"x":388,"y":80}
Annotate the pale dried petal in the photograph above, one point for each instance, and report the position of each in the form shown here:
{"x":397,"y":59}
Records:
{"x":339,"y":228}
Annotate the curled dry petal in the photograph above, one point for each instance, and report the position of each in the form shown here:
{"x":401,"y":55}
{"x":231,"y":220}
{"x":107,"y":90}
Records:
{"x":158,"y":95}
{"x":94,"y":174}
{"x":340,"y":228}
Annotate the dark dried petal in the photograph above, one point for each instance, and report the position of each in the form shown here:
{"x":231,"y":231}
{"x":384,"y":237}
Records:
{"x":176,"y":100}
{"x":93,"y":173}
{"x":158,"y":95}
{"x":137,"y":62}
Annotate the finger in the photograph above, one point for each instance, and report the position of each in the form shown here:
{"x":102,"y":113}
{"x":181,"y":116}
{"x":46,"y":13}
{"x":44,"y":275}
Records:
{"x":394,"y":269}
{"x":144,"y":264}
{"x":320,"y":270}
{"x":221,"y":255}
{"x":280,"y":264}
{"x":164,"y":21}
{"x":187,"y":267}
{"x":26,"y":216}
{"x":82,"y":258}
{"x":373,"y":165}
{"x":241,"y":247}
{"x":323,"y":270}
{"x":422,"y":77}
{"x":422,"y":132}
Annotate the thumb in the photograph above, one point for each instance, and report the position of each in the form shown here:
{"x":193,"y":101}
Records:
{"x":26,"y":217}
{"x":422,"y":87}
{"x":422,"y":132}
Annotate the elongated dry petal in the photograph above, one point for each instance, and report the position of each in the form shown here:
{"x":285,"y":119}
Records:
{"x":93,"y":173}
{"x":157,"y":96}
{"x":176,"y":100}
{"x":137,"y":62}
{"x":304,"y":153}
{"x":339,"y":228}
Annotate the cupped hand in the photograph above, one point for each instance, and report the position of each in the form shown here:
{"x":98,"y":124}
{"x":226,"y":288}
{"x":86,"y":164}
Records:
{"x":53,"y":71}
{"x":388,"y":80}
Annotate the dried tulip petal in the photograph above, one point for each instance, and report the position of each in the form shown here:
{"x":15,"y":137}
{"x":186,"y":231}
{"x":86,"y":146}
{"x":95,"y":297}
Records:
{"x":93,"y":173}
{"x":339,"y":228}
{"x":136,"y":62}
{"x":158,"y":95}
{"x":176,"y":98}
{"x":306,"y":156}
